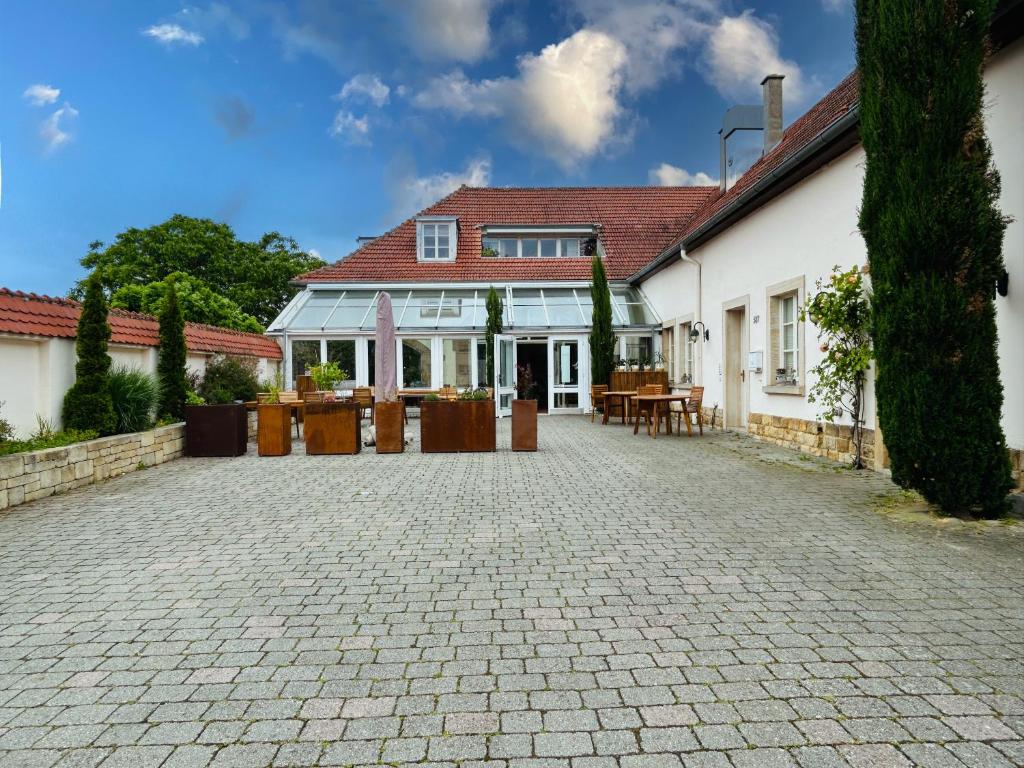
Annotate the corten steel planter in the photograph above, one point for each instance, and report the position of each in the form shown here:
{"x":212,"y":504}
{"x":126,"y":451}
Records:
{"x":216,"y":430}
{"x":332,"y":428}
{"x":389,"y":419}
{"x":524,"y":425}
{"x":274,"y":429}
{"x":457,"y":426}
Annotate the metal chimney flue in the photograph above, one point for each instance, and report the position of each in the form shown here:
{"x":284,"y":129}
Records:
{"x":772,"y":86}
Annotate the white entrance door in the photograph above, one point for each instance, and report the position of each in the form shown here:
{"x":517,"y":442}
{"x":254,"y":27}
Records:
{"x":566,"y":367}
{"x":504,"y":373}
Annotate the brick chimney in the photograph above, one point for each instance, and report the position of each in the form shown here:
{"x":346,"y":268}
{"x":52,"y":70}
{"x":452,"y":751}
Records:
{"x":772,"y":86}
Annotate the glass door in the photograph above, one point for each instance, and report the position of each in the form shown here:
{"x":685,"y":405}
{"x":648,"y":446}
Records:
{"x":504,"y":373}
{"x":565,"y":379}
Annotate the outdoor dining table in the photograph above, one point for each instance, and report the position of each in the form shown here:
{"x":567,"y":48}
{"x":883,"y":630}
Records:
{"x":622,"y":394}
{"x":655,"y":403}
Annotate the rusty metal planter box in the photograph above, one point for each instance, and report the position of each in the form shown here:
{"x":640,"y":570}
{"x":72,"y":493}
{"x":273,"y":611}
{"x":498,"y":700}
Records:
{"x":332,"y":428}
{"x":524,"y":425}
{"x":216,"y":430}
{"x":274,"y":429}
{"x":457,"y":426}
{"x":389,"y":419}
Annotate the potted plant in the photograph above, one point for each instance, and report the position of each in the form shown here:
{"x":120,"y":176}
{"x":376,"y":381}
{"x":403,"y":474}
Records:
{"x":454,"y":426}
{"x":274,"y":425}
{"x":216,"y":422}
{"x":332,"y":427}
{"x":326,"y":375}
{"x":524,"y":411}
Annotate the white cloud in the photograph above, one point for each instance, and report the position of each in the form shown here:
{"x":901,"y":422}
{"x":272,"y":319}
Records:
{"x":448,"y":30}
{"x":564,"y":99}
{"x":666,"y":175}
{"x":741,"y":51}
{"x":172,"y":34}
{"x":351,"y":129}
{"x":41,"y":95}
{"x":653,"y":31}
{"x":835,"y":6}
{"x":53,"y":130}
{"x":214,"y":17}
{"x":366,"y":86}
{"x":414,"y":193}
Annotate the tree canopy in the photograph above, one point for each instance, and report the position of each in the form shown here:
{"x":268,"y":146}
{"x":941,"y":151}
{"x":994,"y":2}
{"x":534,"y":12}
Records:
{"x":199,"y":304}
{"x":252,"y":276}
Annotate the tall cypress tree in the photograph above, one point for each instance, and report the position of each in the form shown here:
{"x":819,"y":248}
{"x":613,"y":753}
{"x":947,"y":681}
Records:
{"x":170,"y":370}
{"x":934,"y":236}
{"x":602,"y":337}
{"x":495,"y":308}
{"x":88,"y":404}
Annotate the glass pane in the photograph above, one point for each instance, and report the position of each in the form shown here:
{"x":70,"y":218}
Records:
{"x":421,"y":311}
{"x":416,"y":363}
{"x":505,"y":402}
{"x":489,"y":247}
{"x":562,"y":308}
{"x":304,"y":354}
{"x":567,"y":363}
{"x":351,"y":311}
{"x":567,"y":400}
{"x":457,"y":310}
{"x":548,"y":248}
{"x":570,"y":248}
{"x":639,"y":348}
{"x":428,"y":252}
{"x":481,"y":364}
{"x":457,"y":363}
{"x":788,"y":361}
{"x":529,"y":248}
{"x":788,"y":309}
{"x":343,"y":352}
{"x":788,"y":336}
{"x":371,"y":364}
{"x":442,"y":251}
{"x":529,"y":307}
{"x":315,"y":311}
{"x":587,"y":305}
{"x":633,"y":307}
{"x":507,"y":372}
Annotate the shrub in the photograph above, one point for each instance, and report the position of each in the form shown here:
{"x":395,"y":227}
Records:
{"x":326,"y":375}
{"x":6,"y":430}
{"x":934,"y":236}
{"x":134,"y":395}
{"x":228,"y":379}
{"x":48,"y":439}
{"x":170,"y":368}
{"x":87,"y":405}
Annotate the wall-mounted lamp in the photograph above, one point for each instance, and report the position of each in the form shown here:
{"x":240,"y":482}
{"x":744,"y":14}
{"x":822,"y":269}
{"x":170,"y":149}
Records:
{"x":695,"y":334}
{"x":1003,"y":283}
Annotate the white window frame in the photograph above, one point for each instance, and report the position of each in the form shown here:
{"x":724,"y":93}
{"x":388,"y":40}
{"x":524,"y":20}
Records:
{"x":538,"y":237}
{"x":687,"y":363}
{"x":775,"y":297}
{"x":436,"y":223}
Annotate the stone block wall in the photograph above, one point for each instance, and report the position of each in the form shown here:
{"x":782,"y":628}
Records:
{"x":831,"y":441}
{"x":37,"y":474}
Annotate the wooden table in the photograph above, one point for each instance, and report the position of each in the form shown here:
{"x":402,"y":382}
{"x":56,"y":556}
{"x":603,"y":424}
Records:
{"x":621,"y":394}
{"x":655,"y":402}
{"x":297,"y":405}
{"x":415,"y":394}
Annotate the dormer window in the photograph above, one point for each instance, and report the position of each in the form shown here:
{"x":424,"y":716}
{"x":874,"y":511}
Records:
{"x":436,"y":238}
{"x":542,"y":242}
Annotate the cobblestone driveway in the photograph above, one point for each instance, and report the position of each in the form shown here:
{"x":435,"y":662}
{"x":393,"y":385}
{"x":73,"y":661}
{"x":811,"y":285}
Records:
{"x":608,"y":601}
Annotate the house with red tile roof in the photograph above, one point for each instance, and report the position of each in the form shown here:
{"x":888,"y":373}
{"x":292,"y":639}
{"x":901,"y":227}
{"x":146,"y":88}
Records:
{"x":707,"y":281}
{"x":37,"y":351}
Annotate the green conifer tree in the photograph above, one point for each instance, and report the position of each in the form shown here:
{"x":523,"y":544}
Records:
{"x":495,"y":308}
{"x":170,"y":369}
{"x":934,"y":236}
{"x":602,"y":337}
{"x":88,"y":404}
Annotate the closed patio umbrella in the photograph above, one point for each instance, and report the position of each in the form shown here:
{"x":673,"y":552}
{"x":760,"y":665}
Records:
{"x":384,"y":351}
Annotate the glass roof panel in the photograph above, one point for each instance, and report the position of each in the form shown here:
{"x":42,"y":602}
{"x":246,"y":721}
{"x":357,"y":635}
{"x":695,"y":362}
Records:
{"x":350,"y":310}
{"x":528,"y":308}
{"x":457,"y":310}
{"x":421,"y":311}
{"x":563,"y":309}
{"x":316,"y":309}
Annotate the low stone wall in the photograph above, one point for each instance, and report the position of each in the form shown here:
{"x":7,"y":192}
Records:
{"x":831,"y":441}
{"x":37,"y":474}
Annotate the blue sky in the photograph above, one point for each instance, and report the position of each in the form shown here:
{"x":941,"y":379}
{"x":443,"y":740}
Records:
{"x":329,"y":120}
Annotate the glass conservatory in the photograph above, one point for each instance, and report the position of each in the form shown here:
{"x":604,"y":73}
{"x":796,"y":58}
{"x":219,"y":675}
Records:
{"x":440,"y":336}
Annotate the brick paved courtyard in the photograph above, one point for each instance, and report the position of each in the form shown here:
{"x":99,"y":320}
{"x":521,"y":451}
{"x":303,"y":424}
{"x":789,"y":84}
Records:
{"x":609,"y":601}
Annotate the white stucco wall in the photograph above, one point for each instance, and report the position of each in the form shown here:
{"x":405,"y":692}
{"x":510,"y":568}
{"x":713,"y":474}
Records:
{"x":811,"y":228}
{"x":1004,"y":121}
{"x":19,"y":384}
{"x":140,"y":358}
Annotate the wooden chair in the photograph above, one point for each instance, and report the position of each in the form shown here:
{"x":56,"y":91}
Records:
{"x":597,"y":399}
{"x":647,"y":410}
{"x":693,"y":405}
{"x":448,"y":393}
{"x":363,"y":397}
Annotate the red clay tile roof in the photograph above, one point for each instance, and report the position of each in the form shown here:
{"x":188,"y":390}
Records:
{"x":798,"y":135}
{"x":35,"y":315}
{"x":636,"y":224}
